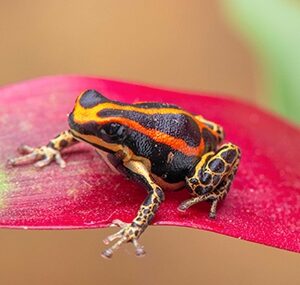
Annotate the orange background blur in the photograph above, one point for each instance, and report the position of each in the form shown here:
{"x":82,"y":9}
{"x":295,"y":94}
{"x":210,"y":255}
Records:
{"x":178,"y":44}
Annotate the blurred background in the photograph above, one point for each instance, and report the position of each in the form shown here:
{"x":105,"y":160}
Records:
{"x":249,"y":50}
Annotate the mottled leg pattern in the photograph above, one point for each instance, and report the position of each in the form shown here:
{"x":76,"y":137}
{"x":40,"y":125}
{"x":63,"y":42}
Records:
{"x":212,"y":177}
{"x":132,"y":231}
{"x":45,"y":154}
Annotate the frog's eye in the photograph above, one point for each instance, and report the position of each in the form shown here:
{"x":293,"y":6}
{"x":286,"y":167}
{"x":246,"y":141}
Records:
{"x":113,"y":132}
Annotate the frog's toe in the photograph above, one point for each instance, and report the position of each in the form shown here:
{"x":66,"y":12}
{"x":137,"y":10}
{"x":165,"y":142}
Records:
{"x":48,"y":155}
{"x":119,"y":223}
{"x":59,"y":160}
{"x":43,"y":162}
{"x":128,"y":233}
{"x":139,"y":249}
{"x":182,"y":207}
{"x":25,"y":149}
{"x":28,"y":158}
{"x":107,"y":253}
{"x":111,"y":238}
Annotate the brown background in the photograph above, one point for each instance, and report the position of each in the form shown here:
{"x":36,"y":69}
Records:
{"x":178,"y":44}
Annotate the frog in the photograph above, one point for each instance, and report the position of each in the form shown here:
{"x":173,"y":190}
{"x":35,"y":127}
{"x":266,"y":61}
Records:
{"x":159,"y":145}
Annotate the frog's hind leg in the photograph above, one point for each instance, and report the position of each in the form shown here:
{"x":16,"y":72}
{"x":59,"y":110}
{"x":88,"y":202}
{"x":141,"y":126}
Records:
{"x":217,"y":129}
{"x":212,"y":177}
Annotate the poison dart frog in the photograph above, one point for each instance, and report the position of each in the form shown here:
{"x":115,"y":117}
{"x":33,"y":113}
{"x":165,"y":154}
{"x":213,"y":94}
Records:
{"x":157,"y":144}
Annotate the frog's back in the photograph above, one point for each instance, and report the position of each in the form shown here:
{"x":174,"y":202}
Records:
{"x":167,"y":136}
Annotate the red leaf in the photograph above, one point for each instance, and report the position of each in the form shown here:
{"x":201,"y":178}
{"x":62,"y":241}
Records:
{"x":262,"y":206}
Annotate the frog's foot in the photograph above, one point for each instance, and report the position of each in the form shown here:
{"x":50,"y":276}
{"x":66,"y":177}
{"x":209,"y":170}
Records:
{"x":128,"y":233}
{"x":43,"y":155}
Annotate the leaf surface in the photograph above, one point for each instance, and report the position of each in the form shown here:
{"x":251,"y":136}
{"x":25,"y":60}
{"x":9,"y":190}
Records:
{"x":262,"y":205}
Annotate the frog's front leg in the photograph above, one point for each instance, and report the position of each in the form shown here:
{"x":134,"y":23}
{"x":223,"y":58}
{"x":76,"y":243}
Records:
{"x":132,"y":231}
{"x":45,"y":154}
{"x":212,"y":177}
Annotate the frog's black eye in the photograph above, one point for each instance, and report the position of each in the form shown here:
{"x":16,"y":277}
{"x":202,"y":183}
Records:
{"x":113,"y":132}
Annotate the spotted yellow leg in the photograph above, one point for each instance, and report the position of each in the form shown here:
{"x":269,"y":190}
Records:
{"x":43,"y":155}
{"x":130,"y":232}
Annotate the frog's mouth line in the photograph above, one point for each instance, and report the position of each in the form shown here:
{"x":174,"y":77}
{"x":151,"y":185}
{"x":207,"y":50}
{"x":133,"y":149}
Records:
{"x":97,"y":142}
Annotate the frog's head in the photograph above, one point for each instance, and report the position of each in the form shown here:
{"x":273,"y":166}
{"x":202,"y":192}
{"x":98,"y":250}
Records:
{"x":92,"y":121}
